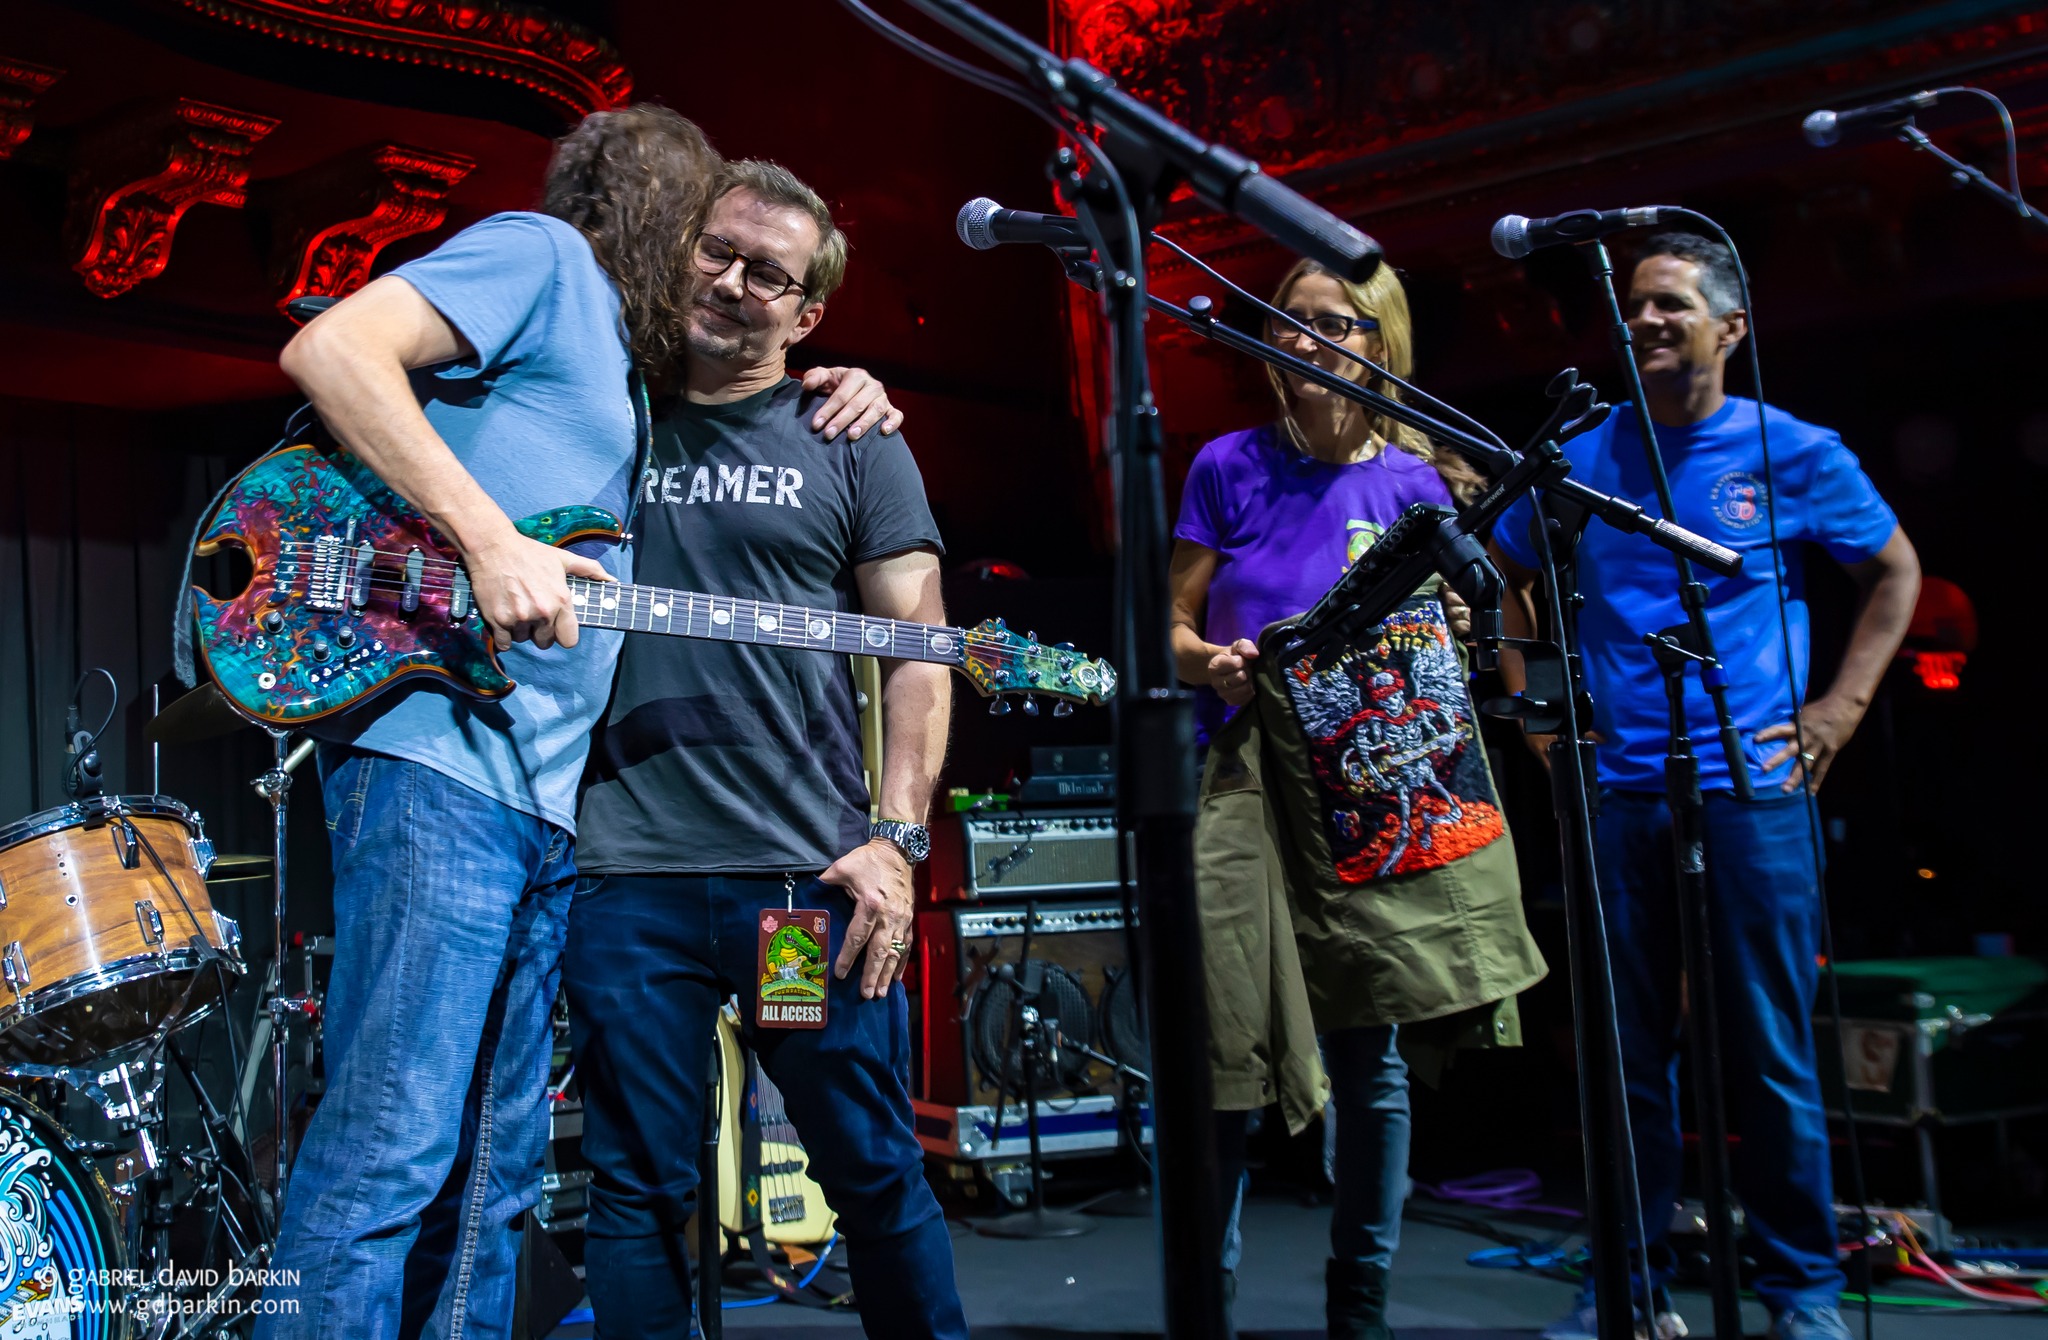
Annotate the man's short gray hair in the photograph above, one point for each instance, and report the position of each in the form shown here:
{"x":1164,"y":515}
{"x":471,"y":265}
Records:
{"x":777,"y":185}
{"x":1719,"y":281}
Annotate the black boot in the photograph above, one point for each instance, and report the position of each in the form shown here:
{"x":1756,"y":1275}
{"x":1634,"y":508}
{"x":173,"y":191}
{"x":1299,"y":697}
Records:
{"x":1357,"y":1306}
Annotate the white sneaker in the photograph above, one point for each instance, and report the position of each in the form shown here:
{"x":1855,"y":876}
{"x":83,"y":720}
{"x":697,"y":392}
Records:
{"x":1583,"y":1323}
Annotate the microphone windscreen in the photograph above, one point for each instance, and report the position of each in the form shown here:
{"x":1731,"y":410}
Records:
{"x":1821,"y":130}
{"x":1511,"y":236}
{"x":973,"y":223}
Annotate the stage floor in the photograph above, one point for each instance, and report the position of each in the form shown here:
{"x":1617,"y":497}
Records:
{"x":1106,"y":1285}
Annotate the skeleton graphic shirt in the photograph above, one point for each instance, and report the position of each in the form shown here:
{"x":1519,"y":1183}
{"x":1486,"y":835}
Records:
{"x":1395,"y":749}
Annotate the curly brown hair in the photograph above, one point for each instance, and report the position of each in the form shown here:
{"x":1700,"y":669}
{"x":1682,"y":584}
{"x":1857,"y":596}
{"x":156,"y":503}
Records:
{"x":636,"y":183}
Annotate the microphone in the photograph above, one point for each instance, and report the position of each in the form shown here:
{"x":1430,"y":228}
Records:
{"x":1515,"y":236}
{"x":983,"y":224}
{"x":1824,"y":129}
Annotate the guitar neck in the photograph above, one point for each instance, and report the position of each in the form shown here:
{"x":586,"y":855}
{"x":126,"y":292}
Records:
{"x":654,"y":609}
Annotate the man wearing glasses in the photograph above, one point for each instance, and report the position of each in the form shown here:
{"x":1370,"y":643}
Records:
{"x":725,"y":795}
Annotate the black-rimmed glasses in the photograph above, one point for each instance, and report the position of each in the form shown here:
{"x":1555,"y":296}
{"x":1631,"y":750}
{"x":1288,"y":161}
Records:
{"x":766,"y":280}
{"x":1331,"y":326}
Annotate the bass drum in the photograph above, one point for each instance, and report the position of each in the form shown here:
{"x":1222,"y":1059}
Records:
{"x":63,"y":1268}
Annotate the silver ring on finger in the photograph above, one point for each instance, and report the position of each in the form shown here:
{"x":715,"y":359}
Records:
{"x":1808,"y":758}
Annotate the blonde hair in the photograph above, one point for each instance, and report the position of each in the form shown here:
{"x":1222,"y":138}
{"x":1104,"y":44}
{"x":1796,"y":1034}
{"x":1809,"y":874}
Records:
{"x":1384,"y":300}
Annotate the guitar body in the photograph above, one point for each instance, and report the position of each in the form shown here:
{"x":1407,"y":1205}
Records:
{"x":353,"y":591}
{"x":773,"y":1190}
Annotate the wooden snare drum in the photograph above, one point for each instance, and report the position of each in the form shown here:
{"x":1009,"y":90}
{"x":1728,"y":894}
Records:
{"x":99,"y":904}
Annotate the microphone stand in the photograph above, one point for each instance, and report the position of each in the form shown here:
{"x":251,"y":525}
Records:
{"x":1143,"y":155}
{"x":1691,"y":643}
{"x":1553,"y":702}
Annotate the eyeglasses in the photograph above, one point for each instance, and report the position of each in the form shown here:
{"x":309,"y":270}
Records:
{"x":766,"y":280}
{"x":1329,"y":325}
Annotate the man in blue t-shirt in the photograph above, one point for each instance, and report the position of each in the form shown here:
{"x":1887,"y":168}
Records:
{"x":1763,"y":886}
{"x":487,"y":380}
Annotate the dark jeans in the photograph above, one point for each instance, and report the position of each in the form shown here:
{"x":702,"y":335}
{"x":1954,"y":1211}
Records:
{"x":1764,"y":915}
{"x":651,"y":958}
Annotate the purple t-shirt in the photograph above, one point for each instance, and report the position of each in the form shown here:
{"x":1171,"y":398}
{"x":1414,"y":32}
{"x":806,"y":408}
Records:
{"x":1287,"y":526}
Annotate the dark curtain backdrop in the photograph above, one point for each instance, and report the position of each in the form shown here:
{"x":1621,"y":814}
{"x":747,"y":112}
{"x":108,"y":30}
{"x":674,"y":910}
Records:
{"x":96,"y":508}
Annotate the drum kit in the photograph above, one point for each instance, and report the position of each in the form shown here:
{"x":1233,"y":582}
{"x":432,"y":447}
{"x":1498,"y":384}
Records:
{"x":111,"y":950}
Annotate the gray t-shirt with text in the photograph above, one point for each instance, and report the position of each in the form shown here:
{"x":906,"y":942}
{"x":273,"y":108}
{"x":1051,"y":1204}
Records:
{"x":731,"y":756}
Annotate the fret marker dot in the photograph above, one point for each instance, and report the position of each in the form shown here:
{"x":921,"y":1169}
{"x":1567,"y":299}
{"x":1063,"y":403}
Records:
{"x":819,"y":628}
{"x":577,"y":597}
{"x":609,"y":602}
{"x":941,"y":642}
{"x":721,"y":616}
{"x":878,"y":637}
{"x":660,"y":609}
{"x":766,"y":623}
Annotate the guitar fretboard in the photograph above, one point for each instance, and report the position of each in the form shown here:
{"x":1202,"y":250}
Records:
{"x":654,"y":609}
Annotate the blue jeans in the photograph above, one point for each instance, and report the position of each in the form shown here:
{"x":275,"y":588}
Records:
{"x":651,"y":959}
{"x":1764,"y":916}
{"x":450,"y":909}
{"x":1369,"y":1089}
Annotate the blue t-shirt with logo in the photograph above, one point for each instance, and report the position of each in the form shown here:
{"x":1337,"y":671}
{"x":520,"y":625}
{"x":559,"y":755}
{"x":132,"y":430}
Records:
{"x":542,"y":417}
{"x":1631,"y":585}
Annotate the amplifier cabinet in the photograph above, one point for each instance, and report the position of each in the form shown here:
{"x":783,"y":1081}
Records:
{"x":1007,"y":855}
{"x":957,"y":950}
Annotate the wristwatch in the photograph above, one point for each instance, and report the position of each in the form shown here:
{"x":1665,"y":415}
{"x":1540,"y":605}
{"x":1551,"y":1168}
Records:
{"x":913,"y":840}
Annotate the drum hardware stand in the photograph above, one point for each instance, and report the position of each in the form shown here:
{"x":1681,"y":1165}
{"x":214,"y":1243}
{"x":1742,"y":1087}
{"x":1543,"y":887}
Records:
{"x":275,"y":787}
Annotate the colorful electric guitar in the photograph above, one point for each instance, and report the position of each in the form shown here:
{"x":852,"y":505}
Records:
{"x":353,"y":591}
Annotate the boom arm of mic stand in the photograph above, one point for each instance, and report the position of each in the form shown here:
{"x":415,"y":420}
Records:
{"x":1965,"y":175}
{"x":1618,"y":512}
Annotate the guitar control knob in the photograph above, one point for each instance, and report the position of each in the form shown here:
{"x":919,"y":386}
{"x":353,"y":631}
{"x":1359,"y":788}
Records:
{"x":345,"y":639}
{"x":272,"y":621}
{"x":321,"y":651}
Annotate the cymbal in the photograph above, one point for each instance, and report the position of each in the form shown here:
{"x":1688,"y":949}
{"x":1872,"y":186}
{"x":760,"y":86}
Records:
{"x":202,"y":714}
{"x":228,"y":869}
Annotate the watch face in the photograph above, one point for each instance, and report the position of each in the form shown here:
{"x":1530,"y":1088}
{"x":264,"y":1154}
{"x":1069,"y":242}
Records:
{"x":914,"y":839}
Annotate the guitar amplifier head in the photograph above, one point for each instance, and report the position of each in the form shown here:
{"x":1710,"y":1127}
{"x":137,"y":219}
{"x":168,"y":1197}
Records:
{"x":998,"y":856}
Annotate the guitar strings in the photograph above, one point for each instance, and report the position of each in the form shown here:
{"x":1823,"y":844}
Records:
{"x":384,"y":581}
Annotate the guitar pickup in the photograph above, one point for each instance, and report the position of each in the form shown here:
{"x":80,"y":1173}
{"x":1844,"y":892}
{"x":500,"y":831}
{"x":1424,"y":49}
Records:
{"x":458,"y":599}
{"x":415,"y":566}
{"x":359,"y":576}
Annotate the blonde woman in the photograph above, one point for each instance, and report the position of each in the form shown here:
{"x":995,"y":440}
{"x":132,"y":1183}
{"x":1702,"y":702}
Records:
{"x":1368,"y":769}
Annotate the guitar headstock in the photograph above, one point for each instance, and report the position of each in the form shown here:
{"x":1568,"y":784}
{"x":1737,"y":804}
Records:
{"x":1002,"y":663}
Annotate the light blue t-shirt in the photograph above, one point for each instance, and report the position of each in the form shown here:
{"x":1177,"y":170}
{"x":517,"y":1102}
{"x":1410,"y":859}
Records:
{"x":542,"y":417}
{"x":1631,"y":586}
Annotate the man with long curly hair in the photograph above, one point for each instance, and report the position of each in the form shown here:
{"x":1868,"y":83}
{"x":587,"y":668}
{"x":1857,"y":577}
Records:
{"x":493,"y":378}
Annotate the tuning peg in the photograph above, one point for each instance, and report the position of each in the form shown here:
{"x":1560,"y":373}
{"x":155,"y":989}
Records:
{"x":1062,"y":646}
{"x":1030,"y":706}
{"x":1063,"y":708}
{"x":999,"y":708}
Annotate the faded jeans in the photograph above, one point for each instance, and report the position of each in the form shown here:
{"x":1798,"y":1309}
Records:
{"x":450,"y":907}
{"x":1369,"y":1090}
